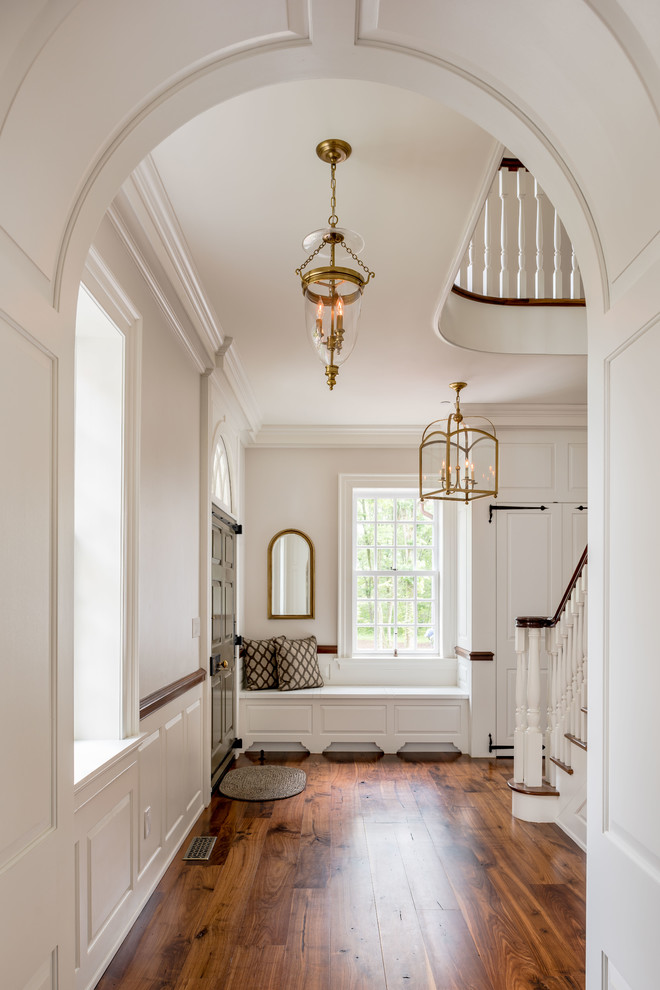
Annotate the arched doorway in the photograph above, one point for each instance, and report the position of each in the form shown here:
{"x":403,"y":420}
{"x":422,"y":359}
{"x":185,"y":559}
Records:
{"x":75,"y":125}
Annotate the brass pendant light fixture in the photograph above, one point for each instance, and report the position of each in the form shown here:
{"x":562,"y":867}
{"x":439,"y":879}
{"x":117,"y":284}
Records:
{"x":458,"y":459}
{"x":333,"y":294}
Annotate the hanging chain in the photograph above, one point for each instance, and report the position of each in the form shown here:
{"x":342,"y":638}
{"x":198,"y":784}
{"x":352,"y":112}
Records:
{"x":300,"y":270}
{"x":362,"y":265}
{"x":333,"y":219}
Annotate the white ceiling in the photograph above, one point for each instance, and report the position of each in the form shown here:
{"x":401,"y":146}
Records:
{"x":246,"y":186}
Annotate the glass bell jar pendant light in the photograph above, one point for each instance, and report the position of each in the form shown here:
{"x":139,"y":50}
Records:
{"x":332,"y":293}
{"x":457,"y":457}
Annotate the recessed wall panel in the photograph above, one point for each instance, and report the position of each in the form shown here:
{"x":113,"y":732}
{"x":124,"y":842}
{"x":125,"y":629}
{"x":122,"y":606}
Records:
{"x":45,"y":977}
{"x":151,"y":798}
{"x":279,"y":719}
{"x":109,"y":861}
{"x":27,"y":630}
{"x":415,"y":720}
{"x":174,"y":773}
{"x":193,"y":717}
{"x":371,"y":719}
{"x":527,"y":465}
{"x":633,"y":535}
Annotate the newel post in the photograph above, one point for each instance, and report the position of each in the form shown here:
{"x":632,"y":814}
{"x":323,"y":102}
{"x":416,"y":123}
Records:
{"x":521,"y":706}
{"x":533,"y":734}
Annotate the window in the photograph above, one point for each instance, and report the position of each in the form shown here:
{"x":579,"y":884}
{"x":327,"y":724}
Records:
{"x":221,"y":478}
{"x":106,"y":497}
{"x":395,"y":573}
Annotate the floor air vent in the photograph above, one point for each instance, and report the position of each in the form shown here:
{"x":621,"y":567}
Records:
{"x":200,"y":847}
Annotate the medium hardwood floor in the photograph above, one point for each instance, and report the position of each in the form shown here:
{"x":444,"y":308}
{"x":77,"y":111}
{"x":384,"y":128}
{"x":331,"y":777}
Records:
{"x":385,"y":872}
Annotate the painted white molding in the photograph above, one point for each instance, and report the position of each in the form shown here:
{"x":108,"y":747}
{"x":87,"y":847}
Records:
{"x":172,"y":248}
{"x":110,"y":295}
{"x":144,"y":201}
{"x":193,"y":347}
{"x":503,"y":416}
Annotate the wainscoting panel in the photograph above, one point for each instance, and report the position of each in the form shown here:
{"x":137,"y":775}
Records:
{"x":525,"y":466}
{"x":193,"y":774}
{"x":45,"y":977}
{"x":150,"y":811}
{"x":130,"y":820}
{"x":175,"y":761}
{"x":28,"y":629}
{"x":109,"y":864}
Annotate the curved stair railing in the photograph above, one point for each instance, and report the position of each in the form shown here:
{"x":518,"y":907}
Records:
{"x":519,"y":252}
{"x":566,"y":646}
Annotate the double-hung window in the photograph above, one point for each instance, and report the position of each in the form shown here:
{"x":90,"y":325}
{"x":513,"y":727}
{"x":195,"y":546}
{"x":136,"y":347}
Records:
{"x":396,"y":553}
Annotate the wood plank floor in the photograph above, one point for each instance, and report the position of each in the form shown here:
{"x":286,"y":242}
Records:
{"x":383,"y":873}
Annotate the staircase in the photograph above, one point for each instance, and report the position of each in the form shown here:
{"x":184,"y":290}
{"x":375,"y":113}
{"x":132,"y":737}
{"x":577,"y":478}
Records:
{"x":550,"y":764}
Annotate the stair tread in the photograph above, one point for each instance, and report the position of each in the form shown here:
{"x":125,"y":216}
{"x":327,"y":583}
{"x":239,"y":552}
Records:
{"x":545,"y":790}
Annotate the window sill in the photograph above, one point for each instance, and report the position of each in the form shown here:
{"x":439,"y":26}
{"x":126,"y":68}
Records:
{"x":92,"y":756}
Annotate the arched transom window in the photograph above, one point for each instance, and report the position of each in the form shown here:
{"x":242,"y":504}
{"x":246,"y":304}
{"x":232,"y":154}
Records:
{"x":221,"y":479}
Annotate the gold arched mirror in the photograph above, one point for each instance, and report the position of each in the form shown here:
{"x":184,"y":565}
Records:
{"x":290,"y":576}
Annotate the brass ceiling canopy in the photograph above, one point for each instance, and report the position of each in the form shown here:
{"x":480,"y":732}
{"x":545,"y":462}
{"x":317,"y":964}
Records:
{"x":333,"y":294}
{"x":458,"y":458}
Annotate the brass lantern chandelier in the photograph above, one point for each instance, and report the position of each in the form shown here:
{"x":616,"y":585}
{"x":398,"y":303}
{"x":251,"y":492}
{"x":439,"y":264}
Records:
{"x":333,"y":294}
{"x":458,"y":459}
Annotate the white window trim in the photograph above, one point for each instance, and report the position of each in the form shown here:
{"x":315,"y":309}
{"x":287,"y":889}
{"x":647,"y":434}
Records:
{"x":111,"y":297}
{"x":447,"y":604}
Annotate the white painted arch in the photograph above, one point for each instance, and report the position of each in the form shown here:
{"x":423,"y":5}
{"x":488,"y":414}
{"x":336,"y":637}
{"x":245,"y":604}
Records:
{"x":88,"y":88}
{"x":83,"y":122}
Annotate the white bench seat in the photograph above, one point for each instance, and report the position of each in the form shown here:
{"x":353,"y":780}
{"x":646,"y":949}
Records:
{"x":387,"y":716}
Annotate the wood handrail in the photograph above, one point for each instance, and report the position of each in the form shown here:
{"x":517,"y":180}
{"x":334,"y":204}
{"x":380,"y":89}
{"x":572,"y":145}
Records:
{"x":547,"y":622}
{"x":158,"y":699}
{"x":514,"y":301}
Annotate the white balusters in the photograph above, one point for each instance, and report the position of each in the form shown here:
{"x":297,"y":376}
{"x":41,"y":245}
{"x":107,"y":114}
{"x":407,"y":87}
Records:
{"x":566,"y":647}
{"x":488,"y":233}
{"x":576,"y":280}
{"x":504,"y":233}
{"x":552,"y":715}
{"x":470,"y":267}
{"x":583,"y":686}
{"x":557,"y":278}
{"x":512,"y":242}
{"x":522,"y":219}
{"x":539,"y":279}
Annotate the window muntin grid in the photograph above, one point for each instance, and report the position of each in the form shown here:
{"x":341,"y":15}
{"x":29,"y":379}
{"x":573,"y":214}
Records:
{"x":395,"y":568}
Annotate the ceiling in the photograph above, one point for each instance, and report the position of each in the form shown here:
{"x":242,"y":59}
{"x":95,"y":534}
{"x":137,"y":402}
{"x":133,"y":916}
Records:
{"x":246,"y":186}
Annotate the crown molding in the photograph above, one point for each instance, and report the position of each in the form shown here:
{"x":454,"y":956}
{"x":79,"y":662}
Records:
{"x":117,"y":214}
{"x":503,"y":416}
{"x":147,"y":213}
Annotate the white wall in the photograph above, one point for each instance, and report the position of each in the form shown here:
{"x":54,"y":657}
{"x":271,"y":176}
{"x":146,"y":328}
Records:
{"x":289,"y":488}
{"x":169,"y":485}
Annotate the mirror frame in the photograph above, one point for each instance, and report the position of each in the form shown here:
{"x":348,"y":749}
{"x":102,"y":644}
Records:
{"x":312,"y":567}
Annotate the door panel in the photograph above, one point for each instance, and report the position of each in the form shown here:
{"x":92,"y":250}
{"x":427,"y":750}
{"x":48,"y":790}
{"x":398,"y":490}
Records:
{"x":223,"y":635}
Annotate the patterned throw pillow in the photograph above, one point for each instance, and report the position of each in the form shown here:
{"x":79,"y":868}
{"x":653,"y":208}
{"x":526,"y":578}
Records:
{"x":298,"y":664}
{"x":259,"y":663}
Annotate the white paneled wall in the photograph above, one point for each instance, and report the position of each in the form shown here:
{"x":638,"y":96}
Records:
{"x":130,"y":819}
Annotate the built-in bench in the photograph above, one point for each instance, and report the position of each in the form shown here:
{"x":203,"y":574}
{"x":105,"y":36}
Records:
{"x":390,"y":716}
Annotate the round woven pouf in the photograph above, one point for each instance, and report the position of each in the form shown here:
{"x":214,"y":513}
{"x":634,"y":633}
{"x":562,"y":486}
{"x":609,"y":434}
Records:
{"x":262,"y":783}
